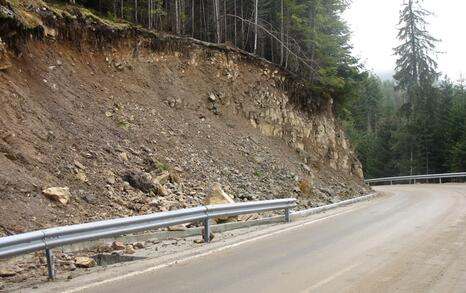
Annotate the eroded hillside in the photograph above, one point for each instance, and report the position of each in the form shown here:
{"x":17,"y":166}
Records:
{"x":103,"y":111}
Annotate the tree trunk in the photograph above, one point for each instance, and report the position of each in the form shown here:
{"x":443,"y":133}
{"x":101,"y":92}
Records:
{"x":236,"y":29}
{"x":149,"y":9}
{"x":282,"y":32}
{"x":217,"y":19}
{"x":256,"y":20}
{"x":136,"y":11}
{"x":192,"y":18}
{"x":225,"y":29}
{"x":176,"y":17}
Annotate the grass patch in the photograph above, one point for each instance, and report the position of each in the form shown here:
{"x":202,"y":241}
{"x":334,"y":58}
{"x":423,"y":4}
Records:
{"x":123,"y":124}
{"x":162,"y":166}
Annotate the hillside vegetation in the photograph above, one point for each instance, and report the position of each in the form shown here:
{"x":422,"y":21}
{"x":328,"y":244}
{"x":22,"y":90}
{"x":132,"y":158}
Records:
{"x":415,"y":124}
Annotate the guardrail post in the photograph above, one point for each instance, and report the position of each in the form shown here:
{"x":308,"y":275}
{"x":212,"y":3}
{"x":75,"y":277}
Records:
{"x":287,"y":215}
{"x":440,"y":180}
{"x":206,"y":231}
{"x":50,"y":265}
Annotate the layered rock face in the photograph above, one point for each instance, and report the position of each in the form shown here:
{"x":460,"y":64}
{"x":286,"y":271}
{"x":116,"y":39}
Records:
{"x":315,"y":132}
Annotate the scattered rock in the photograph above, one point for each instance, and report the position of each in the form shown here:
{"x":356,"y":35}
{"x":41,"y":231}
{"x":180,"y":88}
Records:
{"x":129,"y":249}
{"x":162,"y":178}
{"x":60,"y":194}
{"x":79,"y":165}
{"x":140,"y":180}
{"x":105,"y":248}
{"x":4,"y":272}
{"x":174,"y":102}
{"x":179,"y":227}
{"x":89,"y":198}
{"x":146,"y":149}
{"x":50,"y":33}
{"x":305,"y":186}
{"x":212,"y":98}
{"x":249,"y":217}
{"x":123,"y":156}
{"x":85,"y":262}
{"x":119,"y":66}
{"x":117,"y":245}
{"x":110,"y":178}
{"x":71,"y":267}
{"x":160,"y":189}
{"x":306,"y":167}
{"x":174,"y":178}
{"x":138,"y":245}
{"x":81,"y":176}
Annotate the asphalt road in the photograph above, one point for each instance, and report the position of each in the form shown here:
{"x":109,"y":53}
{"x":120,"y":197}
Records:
{"x":412,"y":240}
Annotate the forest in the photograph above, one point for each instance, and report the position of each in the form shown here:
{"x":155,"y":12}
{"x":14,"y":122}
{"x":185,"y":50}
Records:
{"x":306,"y":37}
{"x":413,"y":124}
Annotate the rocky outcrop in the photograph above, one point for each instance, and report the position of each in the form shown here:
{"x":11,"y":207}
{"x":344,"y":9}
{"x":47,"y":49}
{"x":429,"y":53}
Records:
{"x":59,"y":194}
{"x":312,"y":129}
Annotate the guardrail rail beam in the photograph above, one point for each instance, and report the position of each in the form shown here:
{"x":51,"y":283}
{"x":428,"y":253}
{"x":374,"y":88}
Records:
{"x":55,"y":237}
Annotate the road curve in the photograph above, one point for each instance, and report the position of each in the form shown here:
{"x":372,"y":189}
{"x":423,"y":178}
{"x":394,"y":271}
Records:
{"x":412,"y":240}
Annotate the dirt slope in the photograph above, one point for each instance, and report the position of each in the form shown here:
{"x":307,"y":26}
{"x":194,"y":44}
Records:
{"x":92,"y":119}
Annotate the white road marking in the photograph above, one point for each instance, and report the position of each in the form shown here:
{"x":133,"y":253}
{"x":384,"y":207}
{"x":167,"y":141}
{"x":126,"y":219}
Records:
{"x":186,"y":259}
{"x":329,"y":279}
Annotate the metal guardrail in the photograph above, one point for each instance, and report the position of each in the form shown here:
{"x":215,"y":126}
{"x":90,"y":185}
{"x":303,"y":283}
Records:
{"x":415,"y":178}
{"x":55,"y":237}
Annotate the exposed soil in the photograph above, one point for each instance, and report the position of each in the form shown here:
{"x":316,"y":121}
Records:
{"x":85,"y":118}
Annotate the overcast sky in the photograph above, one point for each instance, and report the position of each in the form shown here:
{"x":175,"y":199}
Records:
{"x":373,"y":24}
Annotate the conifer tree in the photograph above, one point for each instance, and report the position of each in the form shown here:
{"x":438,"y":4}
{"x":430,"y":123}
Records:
{"x":416,"y":68}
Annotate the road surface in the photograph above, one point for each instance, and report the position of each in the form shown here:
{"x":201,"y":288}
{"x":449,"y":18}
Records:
{"x":412,"y":240}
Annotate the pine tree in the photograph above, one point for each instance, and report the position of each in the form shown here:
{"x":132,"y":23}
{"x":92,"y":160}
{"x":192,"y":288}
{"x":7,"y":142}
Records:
{"x":415,"y":67}
{"x":416,"y":71}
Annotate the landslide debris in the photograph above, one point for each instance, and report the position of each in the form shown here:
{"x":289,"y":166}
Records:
{"x":128,"y":122}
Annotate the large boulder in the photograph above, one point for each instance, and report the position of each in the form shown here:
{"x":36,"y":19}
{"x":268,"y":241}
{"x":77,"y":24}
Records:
{"x":59,"y":194}
{"x":117,"y":245}
{"x":5,"y":272}
{"x":218,"y":196}
{"x":140,"y":180}
{"x":215,"y":196}
{"x":85,"y":262}
{"x":129,"y":249}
